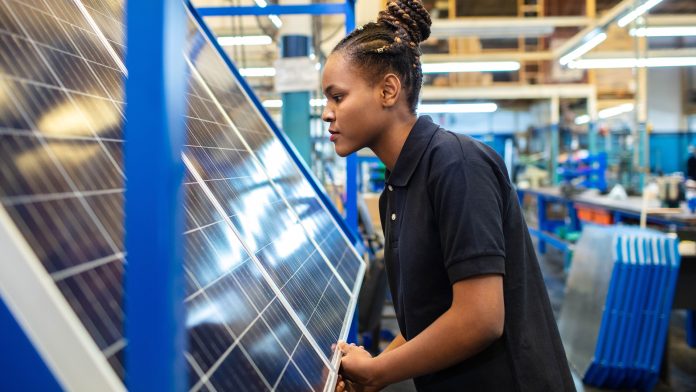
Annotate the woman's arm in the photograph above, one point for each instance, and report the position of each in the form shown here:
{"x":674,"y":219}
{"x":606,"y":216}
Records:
{"x":474,"y":321}
{"x":396,"y":343}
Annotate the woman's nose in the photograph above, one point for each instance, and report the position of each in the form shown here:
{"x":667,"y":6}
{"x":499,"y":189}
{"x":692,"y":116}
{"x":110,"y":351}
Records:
{"x":327,"y":115}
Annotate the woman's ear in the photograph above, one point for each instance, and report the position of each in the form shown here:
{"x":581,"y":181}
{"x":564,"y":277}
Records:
{"x":391,"y":90}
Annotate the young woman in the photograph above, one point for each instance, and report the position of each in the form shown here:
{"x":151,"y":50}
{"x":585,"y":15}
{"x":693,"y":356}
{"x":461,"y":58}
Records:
{"x":470,"y":300}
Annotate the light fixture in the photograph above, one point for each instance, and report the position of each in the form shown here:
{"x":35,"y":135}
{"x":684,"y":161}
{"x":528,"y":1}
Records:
{"x":488,"y":66}
{"x":245,"y":40}
{"x":272,"y":103}
{"x":640,"y":10}
{"x":457,"y":108}
{"x":616,"y":110}
{"x":277,"y":103}
{"x":655,"y":62}
{"x":584,"y":48}
{"x":665,"y":31}
{"x":274,"y":18}
{"x":258,"y":72}
{"x":581,"y":120}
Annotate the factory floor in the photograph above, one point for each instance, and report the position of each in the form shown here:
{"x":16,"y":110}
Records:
{"x":681,"y":369}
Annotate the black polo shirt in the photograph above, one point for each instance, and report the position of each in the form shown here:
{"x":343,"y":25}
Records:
{"x":449,"y":213}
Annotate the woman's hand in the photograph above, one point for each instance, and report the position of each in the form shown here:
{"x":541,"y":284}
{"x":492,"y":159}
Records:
{"x":358,"y":369}
{"x":344,"y":385}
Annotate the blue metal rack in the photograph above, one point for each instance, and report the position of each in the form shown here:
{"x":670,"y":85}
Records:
{"x":155,"y":133}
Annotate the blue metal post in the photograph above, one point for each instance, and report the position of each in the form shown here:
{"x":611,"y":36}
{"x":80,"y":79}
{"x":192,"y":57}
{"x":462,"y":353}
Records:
{"x":155,"y":135}
{"x":541,"y":219}
{"x":555,"y":131}
{"x":592,"y":137}
{"x":351,"y":179}
{"x":352,"y":160}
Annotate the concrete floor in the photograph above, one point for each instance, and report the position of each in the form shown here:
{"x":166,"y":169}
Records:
{"x":681,"y":369}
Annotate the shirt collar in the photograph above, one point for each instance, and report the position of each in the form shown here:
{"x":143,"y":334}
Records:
{"x":414,"y":147}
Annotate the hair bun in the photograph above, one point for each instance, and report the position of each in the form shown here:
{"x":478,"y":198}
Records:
{"x":409,"y":15}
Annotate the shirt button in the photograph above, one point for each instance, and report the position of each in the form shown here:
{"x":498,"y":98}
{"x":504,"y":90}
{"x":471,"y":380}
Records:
{"x":390,"y":188}
{"x":393,"y":217}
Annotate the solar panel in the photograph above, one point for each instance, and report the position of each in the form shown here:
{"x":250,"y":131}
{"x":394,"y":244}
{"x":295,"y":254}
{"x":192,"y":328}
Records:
{"x":271,"y":279}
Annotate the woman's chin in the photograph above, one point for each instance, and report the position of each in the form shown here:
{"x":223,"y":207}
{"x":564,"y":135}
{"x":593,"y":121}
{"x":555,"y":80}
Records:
{"x":343,"y":151}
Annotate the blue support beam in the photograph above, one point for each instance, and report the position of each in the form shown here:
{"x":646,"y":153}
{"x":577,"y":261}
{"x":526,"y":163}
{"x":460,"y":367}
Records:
{"x":352,"y":177}
{"x":555,"y":135}
{"x":301,"y":9}
{"x":352,"y":160}
{"x":155,"y":136}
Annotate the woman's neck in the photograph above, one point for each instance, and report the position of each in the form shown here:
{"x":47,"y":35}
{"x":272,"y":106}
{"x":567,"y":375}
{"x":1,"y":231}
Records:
{"x":389,"y":145}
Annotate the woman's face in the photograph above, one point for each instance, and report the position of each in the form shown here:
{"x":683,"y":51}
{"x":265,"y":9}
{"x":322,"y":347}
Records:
{"x":354,"y":108}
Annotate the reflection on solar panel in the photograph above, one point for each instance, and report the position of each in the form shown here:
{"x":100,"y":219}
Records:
{"x":271,"y":279}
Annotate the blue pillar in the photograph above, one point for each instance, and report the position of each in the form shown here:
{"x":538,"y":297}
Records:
{"x":592,"y":137}
{"x":296,"y":107}
{"x":352,"y":160}
{"x":555,"y":131}
{"x":351,"y":180}
{"x":155,"y":136}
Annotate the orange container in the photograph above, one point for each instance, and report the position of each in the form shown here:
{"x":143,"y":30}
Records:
{"x":594,"y":215}
{"x":603,"y":217}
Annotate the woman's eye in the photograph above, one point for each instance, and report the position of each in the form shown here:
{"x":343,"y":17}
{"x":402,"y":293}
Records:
{"x":337,"y":98}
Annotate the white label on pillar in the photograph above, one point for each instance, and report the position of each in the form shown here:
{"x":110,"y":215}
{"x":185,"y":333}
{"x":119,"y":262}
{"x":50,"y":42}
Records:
{"x":296,"y":74}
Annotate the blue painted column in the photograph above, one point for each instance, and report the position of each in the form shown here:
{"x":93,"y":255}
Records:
{"x":351,"y":181}
{"x":352,"y":160}
{"x":592,"y":137}
{"x":296,"y":42}
{"x":155,"y":135}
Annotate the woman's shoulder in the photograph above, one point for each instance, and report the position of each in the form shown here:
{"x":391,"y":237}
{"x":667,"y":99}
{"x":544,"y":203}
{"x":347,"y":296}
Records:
{"x":448,"y":147}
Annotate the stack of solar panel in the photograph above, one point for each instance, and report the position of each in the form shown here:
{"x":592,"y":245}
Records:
{"x":631,"y":273}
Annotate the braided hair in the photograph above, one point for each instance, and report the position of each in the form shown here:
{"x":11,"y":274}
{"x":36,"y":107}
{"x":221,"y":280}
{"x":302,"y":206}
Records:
{"x":392,"y":45}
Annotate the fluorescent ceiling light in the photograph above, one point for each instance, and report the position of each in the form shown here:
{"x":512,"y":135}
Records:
{"x":581,"y":120}
{"x":277,"y":103}
{"x":655,"y":62}
{"x":272,"y":103}
{"x":616,"y":110}
{"x":247,"y":40}
{"x":584,"y":48}
{"x":458,"y":108}
{"x":631,"y":16}
{"x":274,"y":18}
{"x":258,"y":72}
{"x":489,"y":66}
{"x":667,"y":31}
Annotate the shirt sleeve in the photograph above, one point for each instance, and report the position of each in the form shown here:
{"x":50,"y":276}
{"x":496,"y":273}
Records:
{"x":469,"y":209}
